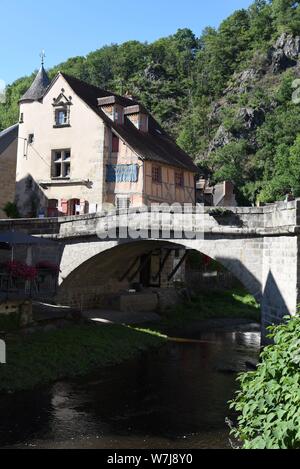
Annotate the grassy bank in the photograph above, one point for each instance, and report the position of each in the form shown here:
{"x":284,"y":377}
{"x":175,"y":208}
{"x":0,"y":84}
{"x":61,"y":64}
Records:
{"x":213,"y":305}
{"x":46,"y":357}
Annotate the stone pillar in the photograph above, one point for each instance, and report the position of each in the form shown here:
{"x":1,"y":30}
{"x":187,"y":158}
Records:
{"x":280,"y":295}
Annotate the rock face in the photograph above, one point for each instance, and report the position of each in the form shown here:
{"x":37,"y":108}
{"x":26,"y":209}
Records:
{"x":251,"y":118}
{"x":264,"y":70}
{"x":285,"y":53}
{"x":222,"y":138}
{"x":243,"y":81}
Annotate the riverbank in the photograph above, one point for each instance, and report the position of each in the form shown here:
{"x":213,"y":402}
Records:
{"x":45,"y":357}
{"x":219,"y":311}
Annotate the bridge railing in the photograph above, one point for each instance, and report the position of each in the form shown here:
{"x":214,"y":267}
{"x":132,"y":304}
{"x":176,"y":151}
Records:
{"x":280,"y":216}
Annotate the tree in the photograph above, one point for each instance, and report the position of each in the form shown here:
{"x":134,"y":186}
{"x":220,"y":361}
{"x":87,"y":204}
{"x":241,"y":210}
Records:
{"x":286,"y":14}
{"x":268,"y":402}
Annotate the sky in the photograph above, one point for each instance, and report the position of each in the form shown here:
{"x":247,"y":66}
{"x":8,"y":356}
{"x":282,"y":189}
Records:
{"x":69,"y":28}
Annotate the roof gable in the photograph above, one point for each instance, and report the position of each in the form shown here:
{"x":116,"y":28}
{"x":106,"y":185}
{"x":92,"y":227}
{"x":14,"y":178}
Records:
{"x":7,"y":137}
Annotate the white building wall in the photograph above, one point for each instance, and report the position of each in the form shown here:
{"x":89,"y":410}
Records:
{"x":85,"y":139}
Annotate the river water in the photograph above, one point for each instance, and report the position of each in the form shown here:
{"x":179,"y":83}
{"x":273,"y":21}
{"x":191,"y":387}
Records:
{"x":172,"y":398}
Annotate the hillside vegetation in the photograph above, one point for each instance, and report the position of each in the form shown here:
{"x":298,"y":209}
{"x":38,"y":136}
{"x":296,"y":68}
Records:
{"x":226,"y":96}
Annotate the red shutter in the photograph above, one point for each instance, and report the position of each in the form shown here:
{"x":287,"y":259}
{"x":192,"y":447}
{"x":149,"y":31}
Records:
{"x":64,"y":207}
{"x":115,"y":144}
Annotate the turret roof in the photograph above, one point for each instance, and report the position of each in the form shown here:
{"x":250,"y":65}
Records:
{"x":38,"y":87}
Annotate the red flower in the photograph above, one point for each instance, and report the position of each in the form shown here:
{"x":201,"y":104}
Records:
{"x":20,"y":270}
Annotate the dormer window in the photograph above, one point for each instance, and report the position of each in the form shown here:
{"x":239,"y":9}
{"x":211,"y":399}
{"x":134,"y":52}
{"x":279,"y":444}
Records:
{"x":62,"y":109}
{"x":61,"y":117}
{"x":113,"y":108}
{"x":138,"y":116}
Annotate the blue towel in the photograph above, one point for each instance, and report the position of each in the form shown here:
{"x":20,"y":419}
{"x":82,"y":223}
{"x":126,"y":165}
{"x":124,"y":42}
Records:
{"x":122,"y":173}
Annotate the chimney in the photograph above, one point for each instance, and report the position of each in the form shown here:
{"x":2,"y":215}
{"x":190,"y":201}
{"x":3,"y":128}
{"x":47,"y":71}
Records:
{"x":113,"y":108}
{"x":138,"y":116}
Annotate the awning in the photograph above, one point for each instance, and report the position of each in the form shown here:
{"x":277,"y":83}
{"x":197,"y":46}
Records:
{"x":15,"y":238}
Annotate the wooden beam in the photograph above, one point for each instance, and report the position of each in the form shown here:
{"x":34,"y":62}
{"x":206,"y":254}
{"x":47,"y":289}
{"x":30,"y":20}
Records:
{"x":129,"y":270}
{"x":141,"y":266}
{"x":162,"y":265}
{"x":174,"y":271}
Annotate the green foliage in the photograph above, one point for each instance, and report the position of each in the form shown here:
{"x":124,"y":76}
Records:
{"x":214,"y":304}
{"x":45,"y":357}
{"x":9,"y":322}
{"x":180,"y":79}
{"x":220,"y":212}
{"x":229,"y":161}
{"x":268,"y":403}
{"x":286,"y":14}
{"x":11,"y":210}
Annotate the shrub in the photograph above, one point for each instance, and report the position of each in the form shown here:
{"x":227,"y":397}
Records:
{"x":269,"y":400}
{"x":11,"y":210}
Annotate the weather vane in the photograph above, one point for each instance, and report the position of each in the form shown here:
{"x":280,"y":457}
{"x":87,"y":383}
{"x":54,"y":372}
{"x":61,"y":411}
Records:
{"x":43,"y":56}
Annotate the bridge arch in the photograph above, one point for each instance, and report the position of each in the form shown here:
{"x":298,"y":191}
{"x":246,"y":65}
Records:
{"x":97,"y":268}
{"x":259,"y":245}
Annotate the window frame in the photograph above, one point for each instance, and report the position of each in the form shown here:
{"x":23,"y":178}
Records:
{"x":57,"y":112}
{"x":62,"y":162}
{"x":156,"y":174}
{"x":115,"y":138}
{"x":179,"y":179}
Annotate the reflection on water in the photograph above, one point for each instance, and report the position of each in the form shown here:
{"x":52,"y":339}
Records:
{"x":173,"y":398}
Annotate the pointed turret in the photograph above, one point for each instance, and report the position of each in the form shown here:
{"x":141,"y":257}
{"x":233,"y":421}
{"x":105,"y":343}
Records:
{"x":38,"y":87}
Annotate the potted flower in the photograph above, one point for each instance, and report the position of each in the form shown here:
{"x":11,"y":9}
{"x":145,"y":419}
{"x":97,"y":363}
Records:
{"x":19,"y":270}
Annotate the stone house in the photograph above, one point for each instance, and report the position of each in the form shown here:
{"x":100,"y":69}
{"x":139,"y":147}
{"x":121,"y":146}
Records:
{"x":220,"y":195}
{"x":82,"y":149}
{"x":8,"y":162}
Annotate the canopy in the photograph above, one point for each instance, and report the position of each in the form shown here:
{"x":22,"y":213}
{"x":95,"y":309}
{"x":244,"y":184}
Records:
{"x":15,"y":238}
{"x":5,"y":247}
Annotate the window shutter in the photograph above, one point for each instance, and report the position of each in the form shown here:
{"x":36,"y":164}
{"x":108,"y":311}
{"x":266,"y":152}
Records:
{"x":64,"y":207}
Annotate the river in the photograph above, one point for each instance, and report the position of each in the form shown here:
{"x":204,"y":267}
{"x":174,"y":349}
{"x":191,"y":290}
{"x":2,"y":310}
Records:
{"x":171,"y":398}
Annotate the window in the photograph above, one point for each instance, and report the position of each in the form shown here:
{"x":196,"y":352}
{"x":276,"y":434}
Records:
{"x":62,"y":117}
{"x":115,"y":143}
{"x":157,"y":174}
{"x":179,"y":179}
{"x":21,"y":121}
{"x":61,"y":167}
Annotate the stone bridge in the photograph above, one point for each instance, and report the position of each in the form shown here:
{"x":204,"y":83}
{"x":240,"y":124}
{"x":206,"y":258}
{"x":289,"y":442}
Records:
{"x":259,"y":246}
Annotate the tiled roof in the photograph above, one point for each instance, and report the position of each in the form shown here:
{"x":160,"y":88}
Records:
{"x":38,"y":87}
{"x":8,"y":136}
{"x":154,"y":145}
